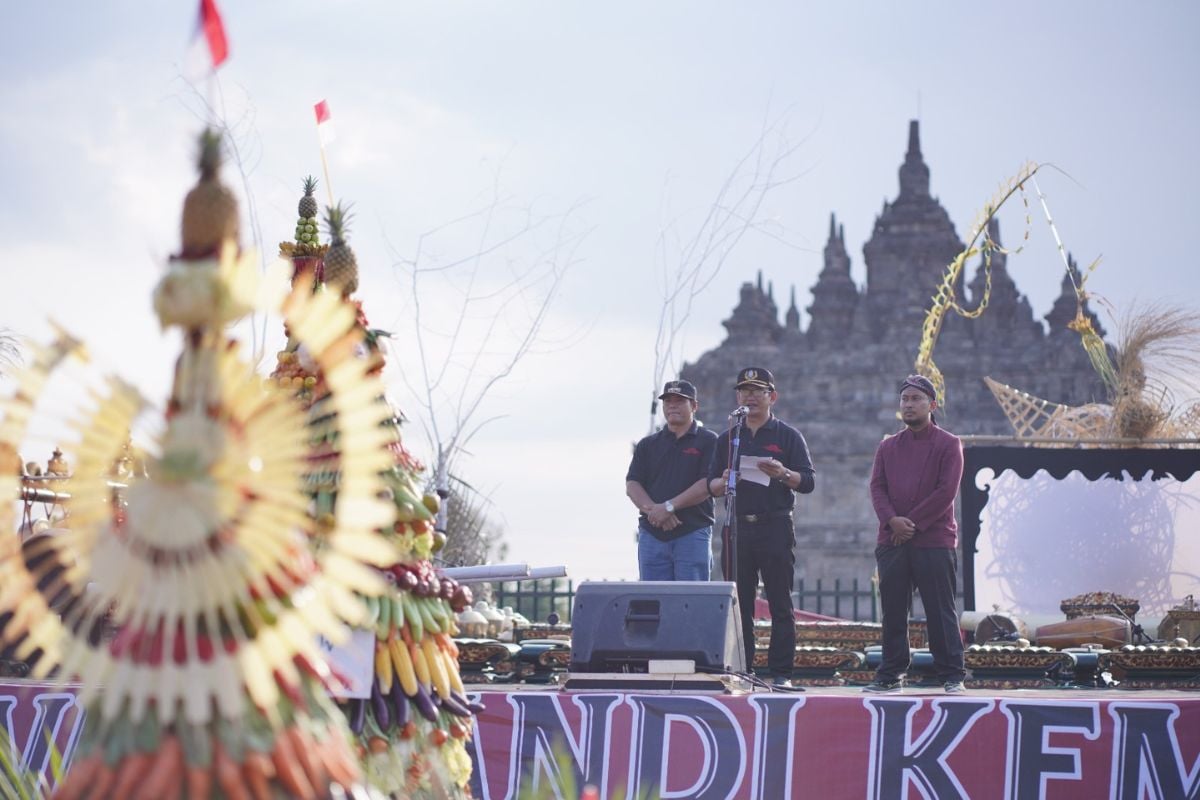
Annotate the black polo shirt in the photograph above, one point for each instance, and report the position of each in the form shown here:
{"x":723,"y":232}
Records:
{"x":780,"y":441}
{"x":666,"y":464}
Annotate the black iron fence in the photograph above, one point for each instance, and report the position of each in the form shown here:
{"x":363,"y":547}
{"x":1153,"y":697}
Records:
{"x":536,"y":600}
{"x":845,"y":600}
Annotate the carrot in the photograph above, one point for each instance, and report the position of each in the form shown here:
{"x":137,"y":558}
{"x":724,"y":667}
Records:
{"x":448,"y":644}
{"x":229,"y":777}
{"x":102,"y":783}
{"x":130,"y":773}
{"x":257,"y":770}
{"x":339,"y":761}
{"x":79,"y":777}
{"x":305,"y":749}
{"x":199,"y":783}
{"x":165,"y":778}
{"x":290,"y":772}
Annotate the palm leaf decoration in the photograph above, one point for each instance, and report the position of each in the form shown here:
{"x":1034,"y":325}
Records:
{"x":192,"y":602}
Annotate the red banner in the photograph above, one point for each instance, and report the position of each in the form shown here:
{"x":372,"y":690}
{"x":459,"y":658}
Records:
{"x":1029,"y":745}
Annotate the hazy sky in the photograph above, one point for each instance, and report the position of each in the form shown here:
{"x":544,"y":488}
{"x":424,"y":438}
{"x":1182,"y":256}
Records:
{"x":629,"y":113}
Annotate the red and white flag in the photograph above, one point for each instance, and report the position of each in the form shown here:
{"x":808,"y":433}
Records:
{"x":324,"y":122}
{"x":209,"y":47}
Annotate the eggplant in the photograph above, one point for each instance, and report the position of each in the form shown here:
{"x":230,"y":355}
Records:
{"x":358,"y":715}
{"x":383,"y":716}
{"x":399,"y":705}
{"x":470,"y":705}
{"x":425,"y":704}
{"x":456,"y":708}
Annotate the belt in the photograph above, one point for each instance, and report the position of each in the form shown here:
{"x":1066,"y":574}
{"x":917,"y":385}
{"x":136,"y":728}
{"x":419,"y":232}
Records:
{"x":765,"y":516}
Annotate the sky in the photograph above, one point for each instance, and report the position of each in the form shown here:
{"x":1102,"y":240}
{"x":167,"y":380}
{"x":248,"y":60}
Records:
{"x":590,"y":131}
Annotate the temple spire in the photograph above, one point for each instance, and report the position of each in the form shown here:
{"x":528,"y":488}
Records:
{"x":914,"y":174}
{"x":792,"y":318}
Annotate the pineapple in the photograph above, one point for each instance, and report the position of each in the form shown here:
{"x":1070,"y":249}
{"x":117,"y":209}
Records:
{"x":308,"y":204}
{"x":308,"y":240}
{"x":210,"y":210}
{"x":341,"y":267}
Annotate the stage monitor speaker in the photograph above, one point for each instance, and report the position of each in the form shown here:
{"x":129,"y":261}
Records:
{"x":622,"y":626}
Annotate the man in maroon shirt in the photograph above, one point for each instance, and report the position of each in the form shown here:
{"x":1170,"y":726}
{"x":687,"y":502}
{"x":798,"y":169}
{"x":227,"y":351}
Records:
{"x":913,"y":485}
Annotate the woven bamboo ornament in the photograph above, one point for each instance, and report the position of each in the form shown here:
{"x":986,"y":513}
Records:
{"x":191,"y":607}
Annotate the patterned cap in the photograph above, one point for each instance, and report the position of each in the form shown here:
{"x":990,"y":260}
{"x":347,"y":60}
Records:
{"x":920,"y":383}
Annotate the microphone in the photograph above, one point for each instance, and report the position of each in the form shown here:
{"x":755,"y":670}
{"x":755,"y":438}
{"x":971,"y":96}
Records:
{"x":740,"y":411}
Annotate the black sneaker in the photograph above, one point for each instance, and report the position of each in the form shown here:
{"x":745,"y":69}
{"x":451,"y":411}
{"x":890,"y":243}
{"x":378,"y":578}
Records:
{"x":883,"y":687}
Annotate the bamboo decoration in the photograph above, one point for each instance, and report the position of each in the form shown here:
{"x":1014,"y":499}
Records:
{"x":191,"y":602}
{"x":945,"y":299}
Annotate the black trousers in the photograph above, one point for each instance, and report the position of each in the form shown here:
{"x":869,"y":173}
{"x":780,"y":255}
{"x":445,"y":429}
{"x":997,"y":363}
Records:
{"x":765,"y":548}
{"x":932,"y":570}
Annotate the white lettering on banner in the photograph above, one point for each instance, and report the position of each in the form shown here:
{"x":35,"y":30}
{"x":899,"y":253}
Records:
{"x":723,"y":744}
{"x":540,"y":733}
{"x":354,"y":661}
{"x":37,"y":718}
{"x":765,"y":746}
{"x":772,"y":767}
{"x":1146,"y":759}
{"x":897,"y":757}
{"x":772,"y":770}
{"x":1030,"y":761}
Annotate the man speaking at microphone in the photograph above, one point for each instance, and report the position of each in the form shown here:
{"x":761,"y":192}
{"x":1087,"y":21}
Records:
{"x":774,"y":465}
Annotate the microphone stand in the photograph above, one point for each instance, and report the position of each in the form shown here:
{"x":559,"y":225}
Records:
{"x":729,"y":530}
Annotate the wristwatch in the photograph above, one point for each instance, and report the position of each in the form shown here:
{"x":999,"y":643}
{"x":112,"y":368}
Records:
{"x":669,"y":506}
{"x":787,"y":476}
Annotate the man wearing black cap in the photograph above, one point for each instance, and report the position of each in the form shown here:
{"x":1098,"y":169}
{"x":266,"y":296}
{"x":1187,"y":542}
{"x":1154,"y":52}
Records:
{"x":666,"y":481}
{"x":765,"y":535}
{"x":913,"y":485}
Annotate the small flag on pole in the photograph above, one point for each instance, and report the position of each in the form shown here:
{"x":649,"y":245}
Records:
{"x":325,"y":136}
{"x":209,"y":46}
{"x":324,"y":122}
{"x":213,"y":30}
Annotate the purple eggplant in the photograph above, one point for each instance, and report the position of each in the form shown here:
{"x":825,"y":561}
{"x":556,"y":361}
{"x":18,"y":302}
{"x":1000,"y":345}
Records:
{"x":470,"y":705}
{"x":358,"y":715}
{"x":383,"y":716}
{"x":456,"y":708}
{"x":399,"y":705}
{"x":425,"y":704}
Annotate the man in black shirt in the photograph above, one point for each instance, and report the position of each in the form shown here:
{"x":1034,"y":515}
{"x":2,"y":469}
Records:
{"x":667,"y":482}
{"x":774,"y":452}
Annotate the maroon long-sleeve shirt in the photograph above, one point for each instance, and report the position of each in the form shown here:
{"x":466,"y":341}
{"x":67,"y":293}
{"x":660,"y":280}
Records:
{"x":916,"y":475}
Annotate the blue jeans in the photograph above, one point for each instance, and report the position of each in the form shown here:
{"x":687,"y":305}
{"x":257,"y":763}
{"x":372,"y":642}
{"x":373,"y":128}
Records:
{"x":688,"y":558}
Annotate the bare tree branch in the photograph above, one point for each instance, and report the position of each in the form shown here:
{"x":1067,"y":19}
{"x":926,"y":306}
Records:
{"x":688,"y":266}
{"x":474,"y":318}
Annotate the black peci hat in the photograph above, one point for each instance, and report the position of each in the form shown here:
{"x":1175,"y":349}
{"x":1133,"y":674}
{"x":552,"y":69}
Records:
{"x":755,"y":376}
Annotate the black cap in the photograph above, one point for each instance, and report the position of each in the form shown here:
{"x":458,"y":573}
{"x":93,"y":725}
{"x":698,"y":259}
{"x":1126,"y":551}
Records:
{"x":681,"y":388}
{"x":755,"y":376}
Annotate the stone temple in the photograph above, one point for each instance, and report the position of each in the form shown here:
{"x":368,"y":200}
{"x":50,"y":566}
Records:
{"x":838,"y":377}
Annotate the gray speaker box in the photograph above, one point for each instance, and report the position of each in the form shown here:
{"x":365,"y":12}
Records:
{"x":622,"y":626}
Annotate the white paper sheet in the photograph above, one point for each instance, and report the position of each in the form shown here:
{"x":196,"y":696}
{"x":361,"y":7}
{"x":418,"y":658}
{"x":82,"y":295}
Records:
{"x":749,"y":470}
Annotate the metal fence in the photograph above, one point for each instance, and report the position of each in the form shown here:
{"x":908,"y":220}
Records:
{"x":846,"y":600}
{"x":536,"y":600}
